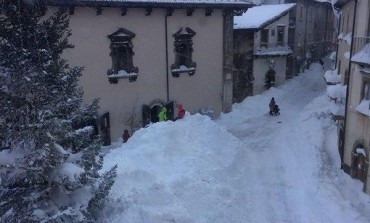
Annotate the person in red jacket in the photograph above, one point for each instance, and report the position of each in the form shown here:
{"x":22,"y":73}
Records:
{"x":125,"y":136}
{"x":181,"y":111}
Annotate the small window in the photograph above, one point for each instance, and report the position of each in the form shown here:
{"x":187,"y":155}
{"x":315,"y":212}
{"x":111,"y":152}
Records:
{"x":183,"y":52}
{"x":280,"y":35}
{"x":122,"y":56}
{"x":339,"y":66}
{"x":366,"y":89}
{"x":273,"y":32}
{"x":301,"y":14}
{"x":346,"y":77}
{"x":264,"y":37}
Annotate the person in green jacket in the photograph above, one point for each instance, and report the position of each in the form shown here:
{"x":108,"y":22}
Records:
{"x":162,"y":116}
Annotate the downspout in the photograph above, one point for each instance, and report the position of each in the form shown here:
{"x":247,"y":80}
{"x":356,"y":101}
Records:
{"x":167,"y":73}
{"x":349,"y":69}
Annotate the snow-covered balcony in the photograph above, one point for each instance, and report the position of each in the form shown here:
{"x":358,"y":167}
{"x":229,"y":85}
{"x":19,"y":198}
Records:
{"x":361,"y":49}
{"x":362,"y":57}
{"x":272,"y":49}
{"x":364,"y":107}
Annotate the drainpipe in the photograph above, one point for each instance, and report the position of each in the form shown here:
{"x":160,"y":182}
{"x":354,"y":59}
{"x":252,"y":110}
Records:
{"x":167,"y":73}
{"x":349,"y":69}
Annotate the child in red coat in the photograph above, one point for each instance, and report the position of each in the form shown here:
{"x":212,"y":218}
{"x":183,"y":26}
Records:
{"x":181,"y":111}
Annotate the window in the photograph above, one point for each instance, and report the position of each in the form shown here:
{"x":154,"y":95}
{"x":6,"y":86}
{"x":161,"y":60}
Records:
{"x":122,"y":56}
{"x":366,"y":89}
{"x":280,"y":35}
{"x":183,"y":52}
{"x":347,"y":24}
{"x":346,"y":77}
{"x":301,"y":16}
{"x":273,"y":32}
{"x":339,"y":66}
{"x":264,"y":37}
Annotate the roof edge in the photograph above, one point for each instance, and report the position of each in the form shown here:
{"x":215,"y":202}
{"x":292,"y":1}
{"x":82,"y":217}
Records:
{"x":133,"y":4}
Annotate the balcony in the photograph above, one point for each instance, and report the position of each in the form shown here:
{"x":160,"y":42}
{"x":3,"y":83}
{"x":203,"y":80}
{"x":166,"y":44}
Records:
{"x":361,"y":50}
{"x":272,"y":49}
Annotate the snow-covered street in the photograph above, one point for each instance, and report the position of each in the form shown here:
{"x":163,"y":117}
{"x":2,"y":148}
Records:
{"x":246,"y":166}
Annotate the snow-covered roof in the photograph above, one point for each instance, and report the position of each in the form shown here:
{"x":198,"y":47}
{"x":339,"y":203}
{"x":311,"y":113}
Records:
{"x":363,"y":56}
{"x":156,"y":3}
{"x":259,"y":16}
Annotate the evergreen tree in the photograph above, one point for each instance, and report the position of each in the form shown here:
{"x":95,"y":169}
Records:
{"x":53,"y":155}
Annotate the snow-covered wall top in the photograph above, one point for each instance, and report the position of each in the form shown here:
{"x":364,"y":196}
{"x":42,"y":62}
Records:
{"x":259,"y":16}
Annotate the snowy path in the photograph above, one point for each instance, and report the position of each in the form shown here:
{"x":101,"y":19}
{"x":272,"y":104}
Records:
{"x":282,"y":165}
{"x":244,"y":167}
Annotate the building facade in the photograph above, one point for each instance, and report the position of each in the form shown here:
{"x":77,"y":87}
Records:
{"x":261,"y":49}
{"x":354,"y":141}
{"x":142,"y":56}
{"x":312,"y":29}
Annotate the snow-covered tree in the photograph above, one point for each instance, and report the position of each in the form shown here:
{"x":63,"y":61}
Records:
{"x":50,"y":170}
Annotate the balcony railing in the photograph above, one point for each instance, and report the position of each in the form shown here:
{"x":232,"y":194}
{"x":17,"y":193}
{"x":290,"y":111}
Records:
{"x":359,"y":42}
{"x":272,"y":49}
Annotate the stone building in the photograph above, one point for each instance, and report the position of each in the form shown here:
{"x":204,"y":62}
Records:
{"x":140,"y":56}
{"x":261,"y":49}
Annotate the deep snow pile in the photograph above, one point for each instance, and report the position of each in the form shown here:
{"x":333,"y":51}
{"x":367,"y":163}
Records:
{"x":246,"y":166}
{"x":173,"y":171}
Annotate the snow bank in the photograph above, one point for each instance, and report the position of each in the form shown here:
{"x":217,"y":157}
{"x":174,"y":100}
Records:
{"x":173,"y":171}
{"x":337,"y":92}
{"x":332,"y":77}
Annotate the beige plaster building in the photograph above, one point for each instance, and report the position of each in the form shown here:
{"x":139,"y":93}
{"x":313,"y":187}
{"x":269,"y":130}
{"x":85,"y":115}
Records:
{"x":140,"y":56}
{"x":354,"y":131}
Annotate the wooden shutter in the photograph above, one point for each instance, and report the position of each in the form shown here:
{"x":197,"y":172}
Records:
{"x":170,"y":111}
{"x":105,"y":128}
{"x":146,"y":115}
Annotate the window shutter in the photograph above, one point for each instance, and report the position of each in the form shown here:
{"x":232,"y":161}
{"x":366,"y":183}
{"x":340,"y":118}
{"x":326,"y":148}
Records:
{"x":170,"y":110}
{"x":146,"y":115}
{"x":105,"y":128}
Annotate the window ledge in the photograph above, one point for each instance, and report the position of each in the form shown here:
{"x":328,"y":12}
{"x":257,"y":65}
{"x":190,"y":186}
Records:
{"x":176,"y":71}
{"x":121,"y":74}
